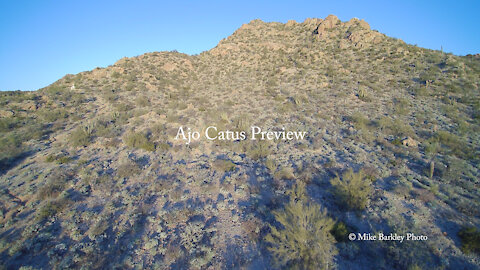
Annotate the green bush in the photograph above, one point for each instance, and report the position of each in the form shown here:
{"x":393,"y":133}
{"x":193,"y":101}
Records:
{"x":457,"y":145}
{"x":363,"y":95}
{"x":139,"y":140}
{"x":128,"y":169}
{"x":271,"y":165}
{"x":284,"y":173}
{"x":50,"y":158}
{"x":54,"y":186}
{"x":402,"y":129}
{"x":352,"y":189}
{"x":9,"y":123}
{"x":52,"y":115}
{"x":11,"y":147}
{"x":80,"y":137}
{"x":142,"y":101}
{"x":59,"y":159}
{"x":305,"y":241}
{"x":470,"y":237}
{"x":224,"y":165}
{"x":51,"y":208}
{"x":163,"y":147}
{"x":116,"y":75}
{"x":340,"y":231}
{"x":258,"y":150}
{"x":360,"y":121}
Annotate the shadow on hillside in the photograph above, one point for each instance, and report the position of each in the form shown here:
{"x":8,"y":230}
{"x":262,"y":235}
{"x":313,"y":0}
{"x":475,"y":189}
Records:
{"x":8,"y":163}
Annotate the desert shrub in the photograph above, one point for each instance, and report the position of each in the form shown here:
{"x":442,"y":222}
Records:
{"x":420,"y":91}
{"x":59,"y":159}
{"x":123,"y":107}
{"x":470,"y":237}
{"x":258,"y":150}
{"x":54,"y":186}
{"x":414,"y":267}
{"x":50,"y":158}
{"x":63,"y":159}
{"x":99,"y":228}
{"x":285,"y":173}
{"x":299,"y":99}
{"x":80,"y":137}
{"x":401,"y":106}
{"x":106,"y":128}
{"x":271,"y":165}
{"x":304,"y":240}
{"x":401,"y":129}
{"x":431,"y":147}
{"x":52,"y":115}
{"x":359,"y":120}
{"x":128,"y":169}
{"x":139,"y":140}
{"x":159,"y":131}
{"x":285,"y":107}
{"x":241,"y":122}
{"x":384,"y":123}
{"x":306,"y":172}
{"x":428,"y":76}
{"x":340,"y":231}
{"x":51,"y":208}
{"x":403,"y":189}
{"x":196,"y":241}
{"x":363,"y":95}
{"x":116,"y":75}
{"x":142,"y":101}
{"x":447,"y":138}
{"x":9,"y":123}
{"x":163,"y":146}
{"x":423,"y":195}
{"x":396,"y":127}
{"x":224,"y":165}
{"x":455,"y":169}
{"x":457,"y":145}
{"x":130,"y":86}
{"x":109,"y":95}
{"x":11,"y":147}
{"x":352,"y":189}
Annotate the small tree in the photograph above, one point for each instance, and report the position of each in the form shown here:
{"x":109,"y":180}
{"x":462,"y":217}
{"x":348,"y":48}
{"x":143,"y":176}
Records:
{"x":352,"y":189}
{"x":470,"y":237}
{"x":305,"y":240}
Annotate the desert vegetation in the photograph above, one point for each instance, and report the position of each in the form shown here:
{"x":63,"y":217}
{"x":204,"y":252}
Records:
{"x":91,"y":176}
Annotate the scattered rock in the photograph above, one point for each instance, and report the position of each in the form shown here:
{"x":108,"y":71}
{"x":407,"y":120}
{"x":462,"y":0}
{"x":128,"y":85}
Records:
{"x":356,"y":22}
{"x":7,"y":113}
{"x":290,"y":23}
{"x":28,"y":106}
{"x":409,"y":142}
{"x":312,"y":23}
{"x":330,"y":22}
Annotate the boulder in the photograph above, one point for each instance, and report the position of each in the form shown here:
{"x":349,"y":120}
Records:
{"x":28,"y":106}
{"x":330,"y":22}
{"x":312,"y":23}
{"x":356,"y":22}
{"x":409,"y":142}
{"x":290,"y":23}
{"x":6,"y":113}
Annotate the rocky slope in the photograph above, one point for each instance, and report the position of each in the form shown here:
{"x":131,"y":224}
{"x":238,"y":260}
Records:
{"x":93,"y":177}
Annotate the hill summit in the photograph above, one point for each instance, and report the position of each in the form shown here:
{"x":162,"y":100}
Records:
{"x":175,"y":161}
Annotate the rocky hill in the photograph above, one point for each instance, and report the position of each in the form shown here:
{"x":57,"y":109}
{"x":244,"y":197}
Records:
{"x":94,"y":174}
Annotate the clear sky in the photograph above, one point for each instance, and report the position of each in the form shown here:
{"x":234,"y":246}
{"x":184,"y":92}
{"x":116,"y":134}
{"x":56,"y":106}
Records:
{"x":41,"y":41}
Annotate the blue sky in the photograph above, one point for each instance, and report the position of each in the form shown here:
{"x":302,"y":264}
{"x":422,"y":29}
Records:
{"x":41,"y":41}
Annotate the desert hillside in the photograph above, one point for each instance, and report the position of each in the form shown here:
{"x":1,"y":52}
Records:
{"x":93,"y":174}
